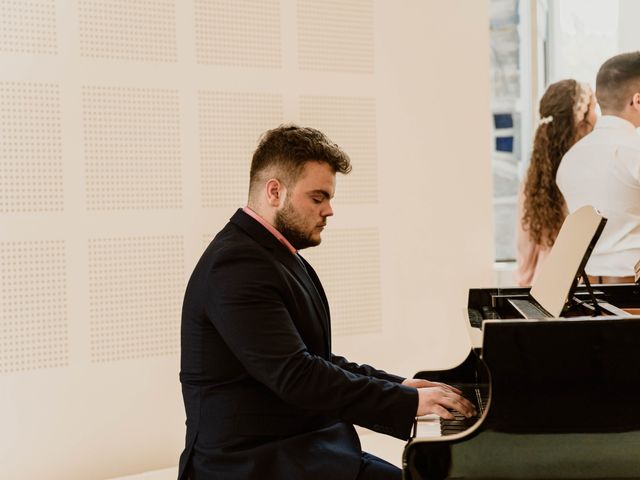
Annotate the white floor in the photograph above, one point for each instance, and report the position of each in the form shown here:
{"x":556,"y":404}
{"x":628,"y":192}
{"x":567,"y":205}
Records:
{"x":164,"y":474}
{"x":382,"y":446}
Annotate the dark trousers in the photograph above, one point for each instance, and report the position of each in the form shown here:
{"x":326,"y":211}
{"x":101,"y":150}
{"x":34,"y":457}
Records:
{"x":374,"y":468}
{"x":371,"y":468}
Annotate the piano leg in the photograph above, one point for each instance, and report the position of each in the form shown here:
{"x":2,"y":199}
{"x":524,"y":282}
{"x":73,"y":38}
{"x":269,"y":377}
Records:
{"x":426,"y":461}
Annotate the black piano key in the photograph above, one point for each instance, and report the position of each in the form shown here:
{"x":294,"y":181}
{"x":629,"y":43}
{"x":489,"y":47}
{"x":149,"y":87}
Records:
{"x":475,"y":317}
{"x":489,"y":313}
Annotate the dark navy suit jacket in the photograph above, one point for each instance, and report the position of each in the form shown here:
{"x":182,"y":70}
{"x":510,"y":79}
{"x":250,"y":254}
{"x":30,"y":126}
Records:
{"x":264,"y":396}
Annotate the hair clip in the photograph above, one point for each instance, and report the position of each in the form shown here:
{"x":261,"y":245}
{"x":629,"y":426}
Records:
{"x":545,"y":120}
{"x":581,"y":107}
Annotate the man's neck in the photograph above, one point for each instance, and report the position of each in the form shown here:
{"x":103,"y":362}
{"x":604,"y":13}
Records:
{"x":269,"y":226}
{"x":264,"y":213}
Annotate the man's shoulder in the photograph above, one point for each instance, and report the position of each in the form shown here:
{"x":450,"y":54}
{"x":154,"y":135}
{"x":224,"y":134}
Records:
{"x":242,"y":245}
{"x":233,"y":254}
{"x":574,"y":161}
{"x":233,"y":240}
{"x":599,"y":145}
{"x":577,"y":152}
{"x":603,"y":148}
{"x":632,"y":144}
{"x":616,"y":137}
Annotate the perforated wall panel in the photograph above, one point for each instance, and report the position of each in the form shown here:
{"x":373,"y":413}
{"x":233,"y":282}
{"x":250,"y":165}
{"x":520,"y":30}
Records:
{"x":206,"y":238}
{"x":336,"y":36}
{"x":135,"y":295}
{"x":348,"y":264}
{"x":351,"y":123}
{"x":30,"y":148}
{"x":127,"y":129}
{"x":33,"y":318}
{"x":142,"y":30}
{"x":230,"y":126}
{"x":132,"y":148}
{"x":28,"y":26}
{"x":238,"y":32}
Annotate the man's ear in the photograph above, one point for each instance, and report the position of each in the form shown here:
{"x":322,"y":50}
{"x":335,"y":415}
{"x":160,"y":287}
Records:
{"x":276,"y":192}
{"x":635,"y":101}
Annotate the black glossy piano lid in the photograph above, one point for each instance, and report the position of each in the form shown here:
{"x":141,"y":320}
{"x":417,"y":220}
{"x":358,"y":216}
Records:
{"x":563,"y":375}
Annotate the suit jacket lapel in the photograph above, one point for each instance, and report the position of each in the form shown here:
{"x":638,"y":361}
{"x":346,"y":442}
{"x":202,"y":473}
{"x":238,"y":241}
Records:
{"x":307,"y":277}
{"x":323,"y":297}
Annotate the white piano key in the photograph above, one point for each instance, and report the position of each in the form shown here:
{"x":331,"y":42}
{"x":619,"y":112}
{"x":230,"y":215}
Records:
{"x":428,"y":426}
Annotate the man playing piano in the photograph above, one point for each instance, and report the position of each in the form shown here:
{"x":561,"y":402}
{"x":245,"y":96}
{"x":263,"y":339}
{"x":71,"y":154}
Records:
{"x":264,"y":395}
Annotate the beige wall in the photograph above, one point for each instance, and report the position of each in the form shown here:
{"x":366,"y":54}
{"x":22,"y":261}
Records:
{"x":125,"y":135}
{"x":628,"y":35}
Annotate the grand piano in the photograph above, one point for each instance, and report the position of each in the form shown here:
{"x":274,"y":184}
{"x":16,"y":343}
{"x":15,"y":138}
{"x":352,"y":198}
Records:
{"x":554,"y":372}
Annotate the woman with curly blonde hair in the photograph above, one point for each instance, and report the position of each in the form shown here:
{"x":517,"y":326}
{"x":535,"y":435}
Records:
{"x":567,"y":113}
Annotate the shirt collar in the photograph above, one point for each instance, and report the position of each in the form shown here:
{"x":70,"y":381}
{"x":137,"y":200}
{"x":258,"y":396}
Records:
{"x":271,"y":229}
{"x":612,"y":121}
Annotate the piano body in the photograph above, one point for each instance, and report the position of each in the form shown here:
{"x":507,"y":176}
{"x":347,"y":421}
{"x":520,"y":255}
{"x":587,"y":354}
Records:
{"x":558,"y":393}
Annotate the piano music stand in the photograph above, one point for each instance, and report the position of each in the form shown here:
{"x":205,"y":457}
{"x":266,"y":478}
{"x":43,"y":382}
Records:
{"x":557,"y":280}
{"x":573,"y":300}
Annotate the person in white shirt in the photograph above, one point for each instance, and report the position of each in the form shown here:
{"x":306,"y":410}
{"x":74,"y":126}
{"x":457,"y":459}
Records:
{"x":603,"y":170}
{"x":567,"y":113}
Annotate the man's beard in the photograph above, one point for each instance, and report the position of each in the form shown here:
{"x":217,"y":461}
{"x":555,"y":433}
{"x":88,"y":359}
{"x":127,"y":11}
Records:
{"x":288,"y":223}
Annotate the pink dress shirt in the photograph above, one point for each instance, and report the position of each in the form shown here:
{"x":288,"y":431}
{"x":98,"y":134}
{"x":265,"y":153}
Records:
{"x":271,"y":229}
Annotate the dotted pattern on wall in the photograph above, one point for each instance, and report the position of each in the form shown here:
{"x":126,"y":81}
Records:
{"x":242,"y":33}
{"x":230,"y":126}
{"x":143,"y":30}
{"x":348,"y":264}
{"x":132,"y":148}
{"x":336,"y":36}
{"x":207,"y":238}
{"x":31,"y":176}
{"x":351,"y":123}
{"x":28,"y":26}
{"x":33,"y":319}
{"x":135,"y":296}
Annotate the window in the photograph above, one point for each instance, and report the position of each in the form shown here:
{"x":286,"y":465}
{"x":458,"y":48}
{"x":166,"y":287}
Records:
{"x":511,"y":86}
{"x":535,"y":43}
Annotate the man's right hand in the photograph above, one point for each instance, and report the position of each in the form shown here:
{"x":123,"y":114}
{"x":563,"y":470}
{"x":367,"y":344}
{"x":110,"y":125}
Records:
{"x":438,"y":399}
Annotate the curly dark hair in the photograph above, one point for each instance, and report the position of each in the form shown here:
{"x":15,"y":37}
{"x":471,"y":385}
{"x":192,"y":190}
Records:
{"x":544,"y":205}
{"x":285,"y":150}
